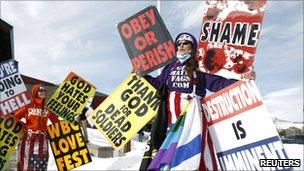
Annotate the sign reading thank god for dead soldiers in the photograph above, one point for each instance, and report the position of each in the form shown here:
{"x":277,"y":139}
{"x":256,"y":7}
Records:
{"x":120,"y":116}
{"x":13,"y":92}
{"x":71,"y":97}
{"x":68,"y":145}
{"x":147,"y":40}
{"x":10,"y":133}
{"x":229,"y":36}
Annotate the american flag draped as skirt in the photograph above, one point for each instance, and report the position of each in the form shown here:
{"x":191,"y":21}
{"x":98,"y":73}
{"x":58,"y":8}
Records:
{"x":33,"y":151}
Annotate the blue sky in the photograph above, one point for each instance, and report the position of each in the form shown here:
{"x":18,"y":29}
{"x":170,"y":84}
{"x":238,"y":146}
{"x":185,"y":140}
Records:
{"x":54,"y":38}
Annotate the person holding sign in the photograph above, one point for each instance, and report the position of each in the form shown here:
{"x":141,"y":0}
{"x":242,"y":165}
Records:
{"x":186,"y":83}
{"x":33,"y":147}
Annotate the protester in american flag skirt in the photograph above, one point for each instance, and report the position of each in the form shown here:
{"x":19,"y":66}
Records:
{"x":33,"y":146}
{"x":184,"y":81}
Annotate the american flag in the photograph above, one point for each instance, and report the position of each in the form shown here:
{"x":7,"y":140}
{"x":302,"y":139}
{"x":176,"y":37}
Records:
{"x":33,"y":151}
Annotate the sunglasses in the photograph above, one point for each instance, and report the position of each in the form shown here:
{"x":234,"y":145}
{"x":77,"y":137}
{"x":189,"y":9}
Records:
{"x":41,"y":89}
{"x":183,"y":43}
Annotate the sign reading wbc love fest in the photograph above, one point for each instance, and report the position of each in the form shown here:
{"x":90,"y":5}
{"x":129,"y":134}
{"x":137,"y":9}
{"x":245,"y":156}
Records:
{"x":71,"y":97}
{"x":249,"y":133}
{"x":68,"y":145}
{"x":13,"y":92}
{"x":10,"y":133}
{"x":120,"y":116}
{"x":229,"y":36}
{"x":147,"y":40}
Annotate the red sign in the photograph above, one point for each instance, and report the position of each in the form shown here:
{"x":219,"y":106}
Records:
{"x":229,"y":36}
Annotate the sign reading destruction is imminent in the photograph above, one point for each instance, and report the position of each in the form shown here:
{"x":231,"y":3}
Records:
{"x":147,"y":40}
{"x":13,"y":92}
{"x":71,"y":97}
{"x":241,"y":128}
{"x":10,"y":133}
{"x":68,"y":145}
{"x":133,"y":104}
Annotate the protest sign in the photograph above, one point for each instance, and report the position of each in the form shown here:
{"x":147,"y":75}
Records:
{"x":128,"y":109}
{"x":71,"y":97}
{"x":241,"y":128}
{"x":147,"y":40}
{"x":68,"y":145}
{"x":13,"y":92}
{"x":229,"y":36}
{"x":10,"y":133}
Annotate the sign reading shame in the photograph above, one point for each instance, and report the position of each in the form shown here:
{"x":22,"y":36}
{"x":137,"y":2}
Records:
{"x":229,"y":36}
{"x":239,"y":110}
{"x":71,"y":97}
{"x":130,"y":106}
{"x":13,"y":92}
{"x":10,"y":133}
{"x":68,"y":145}
{"x":147,"y":40}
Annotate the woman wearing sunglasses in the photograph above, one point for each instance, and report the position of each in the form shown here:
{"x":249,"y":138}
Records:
{"x":33,"y":151}
{"x":184,"y":82}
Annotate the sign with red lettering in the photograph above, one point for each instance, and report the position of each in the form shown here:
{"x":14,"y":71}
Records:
{"x":147,"y":40}
{"x":13,"y":92}
{"x":229,"y":36}
{"x":249,"y":133}
{"x":68,"y":145}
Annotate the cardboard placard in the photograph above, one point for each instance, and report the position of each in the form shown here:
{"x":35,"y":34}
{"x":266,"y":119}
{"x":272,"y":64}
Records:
{"x":241,"y":128}
{"x":147,"y":40}
{"x":68,"y":145}
{"x":10,"y":133}
{"x":71,"y":97}
{"x":128,"y":109}
{"x":13,"y":92}
{"x":229,"y":36}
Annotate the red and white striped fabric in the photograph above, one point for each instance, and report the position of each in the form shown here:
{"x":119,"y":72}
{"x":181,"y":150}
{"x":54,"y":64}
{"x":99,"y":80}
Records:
{"x":33,"y":151}
{"x":176,"y":102}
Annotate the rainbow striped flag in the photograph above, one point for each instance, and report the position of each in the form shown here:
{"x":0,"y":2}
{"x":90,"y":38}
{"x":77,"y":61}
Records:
{"x":181,"y":149}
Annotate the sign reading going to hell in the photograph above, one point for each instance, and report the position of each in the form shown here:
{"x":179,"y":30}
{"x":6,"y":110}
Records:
{"x":71,"y":97}
{"x":249,"y":135}
{"x":10,"y":133}
{"x":13,"y":92}
{"x":128,"y":109}
{"x":147,"y":40}
{"x":229,"y":36}
{"x":68,"y":145}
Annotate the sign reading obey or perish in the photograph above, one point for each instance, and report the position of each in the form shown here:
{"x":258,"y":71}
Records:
{"x":147,"y":40}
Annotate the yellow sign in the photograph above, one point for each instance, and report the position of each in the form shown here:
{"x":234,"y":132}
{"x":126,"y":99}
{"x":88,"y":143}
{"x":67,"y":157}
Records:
{"x":68,"y":145}
{"x":10,"y":133}
{"x":133,"y":104}
{"x":71,"y":97}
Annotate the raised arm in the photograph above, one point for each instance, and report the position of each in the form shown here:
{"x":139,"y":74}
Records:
{"x":215,"y":83}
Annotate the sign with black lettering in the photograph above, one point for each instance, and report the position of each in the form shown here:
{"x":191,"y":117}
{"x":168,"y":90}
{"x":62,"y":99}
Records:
{"x":249,"y":135}
{"x":10,"y":133}
{"x":71,"y":97}
{"x":128,"y":109}
{"x":147,"y":40}
{"x":13,"y":92}
{"x":229,"y":36}
{"x":68,"y":145}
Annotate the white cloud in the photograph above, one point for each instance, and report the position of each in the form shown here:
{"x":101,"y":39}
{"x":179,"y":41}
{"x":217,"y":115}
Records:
{"x":286,"y":104}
